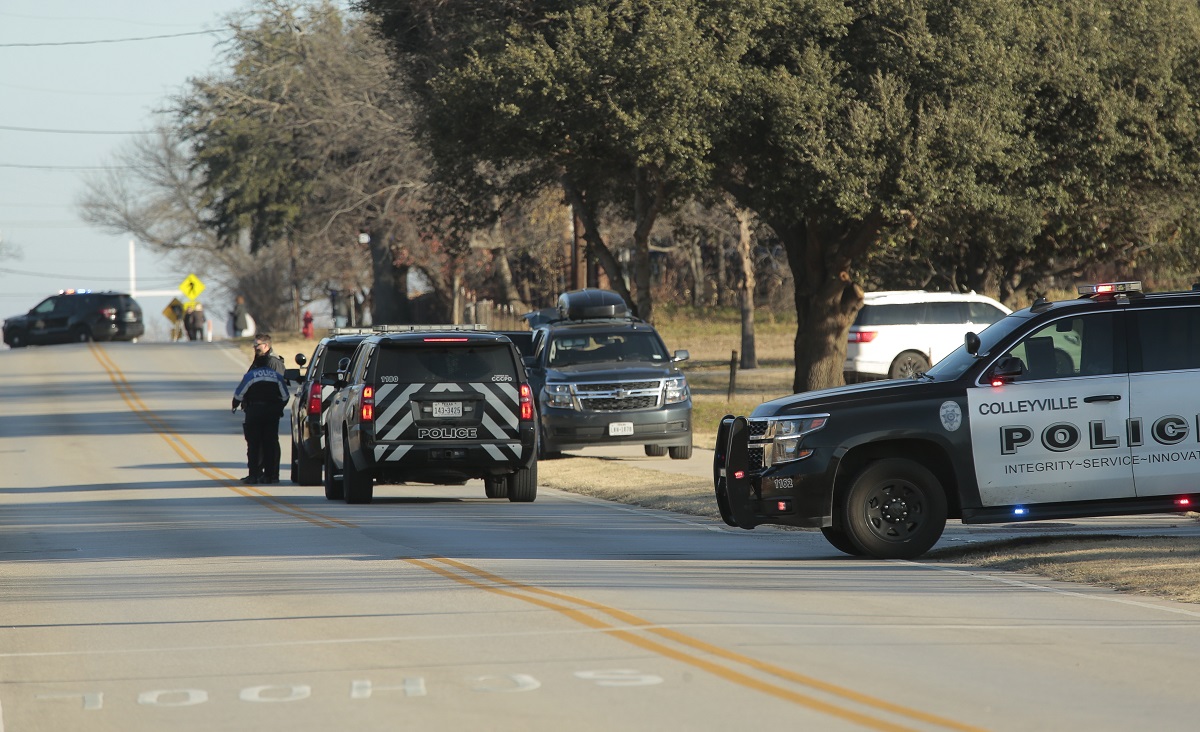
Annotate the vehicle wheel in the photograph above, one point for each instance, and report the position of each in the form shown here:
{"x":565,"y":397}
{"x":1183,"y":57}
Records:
{"x":305,"y":470}
{"x":356,"y":484}
{"x":655,"y":450}
{"x":680,"y":452}
{"x":495,"y":487}
{"x":840,"y":541}
{"x":908,"y":364}
{"x":895,"y":509}
{"x":333,"y":481}
{"x":522,"y":485}
{"x":16,"y":340}
{"x":80,"y":334}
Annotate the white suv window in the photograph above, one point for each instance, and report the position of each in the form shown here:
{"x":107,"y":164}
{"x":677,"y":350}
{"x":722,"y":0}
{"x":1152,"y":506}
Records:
{"x":901,"y":334}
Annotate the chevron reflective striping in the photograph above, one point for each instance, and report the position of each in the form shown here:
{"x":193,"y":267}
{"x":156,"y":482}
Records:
{"x":497,"y":431}
{"x":385,"y":453}
{"x":504,"y":411}
{"x":494,"y":451}
{"x":392,"y":408}
{"x":446,"y":387}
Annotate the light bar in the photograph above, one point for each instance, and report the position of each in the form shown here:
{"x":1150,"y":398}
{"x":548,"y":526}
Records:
{"x":1110,"y":288}
{"x":445,"y":340}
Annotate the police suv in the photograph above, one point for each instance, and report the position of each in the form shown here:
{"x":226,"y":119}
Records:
{"x":311,"y":404}
{"x":1087,"y":407}
{"x":424,"y":405}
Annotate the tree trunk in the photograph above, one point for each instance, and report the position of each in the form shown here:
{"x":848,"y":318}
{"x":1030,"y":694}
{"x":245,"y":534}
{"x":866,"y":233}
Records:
{"x":512,"y":297}
{"x":596,"y":245}
{"x":389,"y":293}
{"x":648,"y":194}
{"x":746,"y":286}
{"x":827,"y":299}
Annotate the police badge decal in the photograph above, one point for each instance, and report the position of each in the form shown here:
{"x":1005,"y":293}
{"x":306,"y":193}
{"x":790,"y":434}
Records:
{"x":951,"y":416}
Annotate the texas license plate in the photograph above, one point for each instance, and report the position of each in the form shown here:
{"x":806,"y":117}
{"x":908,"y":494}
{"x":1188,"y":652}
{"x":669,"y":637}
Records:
{"x":447,"y":409}
{"x":620,"y":428}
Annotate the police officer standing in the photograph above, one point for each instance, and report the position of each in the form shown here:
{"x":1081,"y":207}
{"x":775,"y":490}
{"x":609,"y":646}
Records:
{"x":262,"y":395}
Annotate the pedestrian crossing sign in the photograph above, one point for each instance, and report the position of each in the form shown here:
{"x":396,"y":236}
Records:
{"x":191,"y":287}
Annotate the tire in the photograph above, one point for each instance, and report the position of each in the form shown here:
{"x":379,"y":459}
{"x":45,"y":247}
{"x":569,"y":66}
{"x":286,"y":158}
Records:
{"x":333,"y":482}
{"x":680,"y":452}
{"x":356,"y":484}
{"x":495,"y":487}
{"x":655,"y":450}
{"x":16,"y":339}
{"x":305,"y":470}
{"x":908,"y":364}
{"x":894,"y":509}
{"x":840,"y":541}
{"x":80,"y":334}
{"x":522,"y":485}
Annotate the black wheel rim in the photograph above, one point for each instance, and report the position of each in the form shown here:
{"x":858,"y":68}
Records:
{"x":895,"y":510}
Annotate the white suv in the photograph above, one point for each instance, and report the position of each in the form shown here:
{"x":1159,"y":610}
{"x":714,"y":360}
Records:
{"x":900,"y":334}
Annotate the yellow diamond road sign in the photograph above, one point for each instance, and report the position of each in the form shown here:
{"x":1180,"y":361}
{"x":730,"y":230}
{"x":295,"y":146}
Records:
{"x":191,"y":287}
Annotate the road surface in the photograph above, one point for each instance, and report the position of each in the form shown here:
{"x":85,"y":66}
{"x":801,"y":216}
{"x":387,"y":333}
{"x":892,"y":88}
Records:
{"x":146,"y":588}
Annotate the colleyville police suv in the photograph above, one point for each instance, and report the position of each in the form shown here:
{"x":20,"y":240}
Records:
{"x":1086,"y":407}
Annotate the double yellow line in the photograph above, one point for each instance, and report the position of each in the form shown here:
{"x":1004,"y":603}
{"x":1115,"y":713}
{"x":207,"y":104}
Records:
{"x":840,"y":702}
{"x":192,"y":457}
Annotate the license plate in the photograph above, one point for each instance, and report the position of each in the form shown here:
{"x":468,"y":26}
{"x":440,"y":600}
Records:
{"x":620,"y":428}
{"x":447,"y":409}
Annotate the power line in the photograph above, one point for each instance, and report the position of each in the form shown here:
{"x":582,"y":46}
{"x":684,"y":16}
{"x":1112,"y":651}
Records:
{"x":6,"y":270}
{"x":73,"y":132}
{"x":67,"y":167}
{"x":108,"y":40}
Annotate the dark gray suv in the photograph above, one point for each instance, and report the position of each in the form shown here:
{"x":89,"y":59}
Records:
{"x":77,"y":316}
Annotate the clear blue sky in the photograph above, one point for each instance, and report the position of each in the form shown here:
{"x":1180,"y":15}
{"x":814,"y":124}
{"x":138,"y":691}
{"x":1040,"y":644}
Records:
{"x":83,"y":84}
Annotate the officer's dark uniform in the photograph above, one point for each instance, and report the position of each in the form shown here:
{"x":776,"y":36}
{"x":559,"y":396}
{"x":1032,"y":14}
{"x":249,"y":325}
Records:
{"x":262,"y":395}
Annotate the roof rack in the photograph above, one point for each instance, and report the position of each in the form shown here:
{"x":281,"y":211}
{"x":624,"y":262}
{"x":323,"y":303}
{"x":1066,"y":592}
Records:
{"x":428,"y":327}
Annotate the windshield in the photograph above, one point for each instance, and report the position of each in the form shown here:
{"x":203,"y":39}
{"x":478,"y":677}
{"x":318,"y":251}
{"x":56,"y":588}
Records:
{"x":956,"y":364}
{"x":600,"y":347}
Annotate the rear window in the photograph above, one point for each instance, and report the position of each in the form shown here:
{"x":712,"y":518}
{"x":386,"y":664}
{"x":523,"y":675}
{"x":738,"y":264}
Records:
{"x":333,"y":355}
{"x":905,"y":314}
{"x":429,"y":364}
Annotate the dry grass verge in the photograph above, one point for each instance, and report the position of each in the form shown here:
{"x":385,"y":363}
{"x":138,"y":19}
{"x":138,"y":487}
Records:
{"x":627,"y":484}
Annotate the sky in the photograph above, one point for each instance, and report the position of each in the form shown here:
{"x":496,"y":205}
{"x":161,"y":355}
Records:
{"x":66,"y":74}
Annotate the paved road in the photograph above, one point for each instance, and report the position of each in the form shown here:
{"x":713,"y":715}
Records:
{"x":144,"y":588}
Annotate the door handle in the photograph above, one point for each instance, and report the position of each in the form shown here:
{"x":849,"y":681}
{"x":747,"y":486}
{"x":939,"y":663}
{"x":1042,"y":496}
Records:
{"x":1103,"y":398}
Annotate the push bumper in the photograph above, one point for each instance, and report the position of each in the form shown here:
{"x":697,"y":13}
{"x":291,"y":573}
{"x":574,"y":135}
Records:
{"x":793,"y":494}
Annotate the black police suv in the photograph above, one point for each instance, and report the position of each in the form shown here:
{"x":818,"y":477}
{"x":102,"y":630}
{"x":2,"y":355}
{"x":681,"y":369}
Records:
{"x":311,"y":405}
{"x":77,"y":316}
{"x":1086,"y":407}
{"x":602,"y":376}
{"x":439,"y":405}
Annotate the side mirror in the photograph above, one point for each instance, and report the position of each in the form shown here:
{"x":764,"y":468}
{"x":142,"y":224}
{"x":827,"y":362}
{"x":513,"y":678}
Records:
{"x":301,"y":359}
{"x":331,"y":380}
{"x":1007,"y":368}
{"x":292,"y":375}
{"x":971,"y":339}
{"x":681,"y":355}
{"x":530,"y":362}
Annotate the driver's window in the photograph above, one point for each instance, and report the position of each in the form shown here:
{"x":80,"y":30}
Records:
{"x":1079,"y":346}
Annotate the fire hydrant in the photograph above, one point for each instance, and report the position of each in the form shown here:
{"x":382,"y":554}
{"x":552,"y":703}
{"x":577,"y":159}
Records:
{"x":307,"y":329}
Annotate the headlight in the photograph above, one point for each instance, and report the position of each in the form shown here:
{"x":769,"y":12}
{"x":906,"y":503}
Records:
{"x":558,"y":395}
{"x":786,"y":437}
{"x":677,"y":390}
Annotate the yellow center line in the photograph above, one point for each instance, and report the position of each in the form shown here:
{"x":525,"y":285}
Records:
{"x":699,"y":645}
{"x":714,"y":668}
{"x":192,"y":456}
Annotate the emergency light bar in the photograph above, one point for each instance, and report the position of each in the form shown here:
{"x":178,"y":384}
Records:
{"x":1110,"y":288}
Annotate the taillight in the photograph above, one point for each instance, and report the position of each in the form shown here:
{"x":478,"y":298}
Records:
{"x":110,"y":313}
{"x":862,"y":336}
{"x":314,"y":399}
{"x":526,"y":403}
{"x":367,"y":409}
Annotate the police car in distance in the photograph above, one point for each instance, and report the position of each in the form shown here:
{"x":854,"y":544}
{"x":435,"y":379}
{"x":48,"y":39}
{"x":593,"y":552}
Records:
{"x":311,"y":404}
{"x":441,"y":404}
{"x":1086,"y":407}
